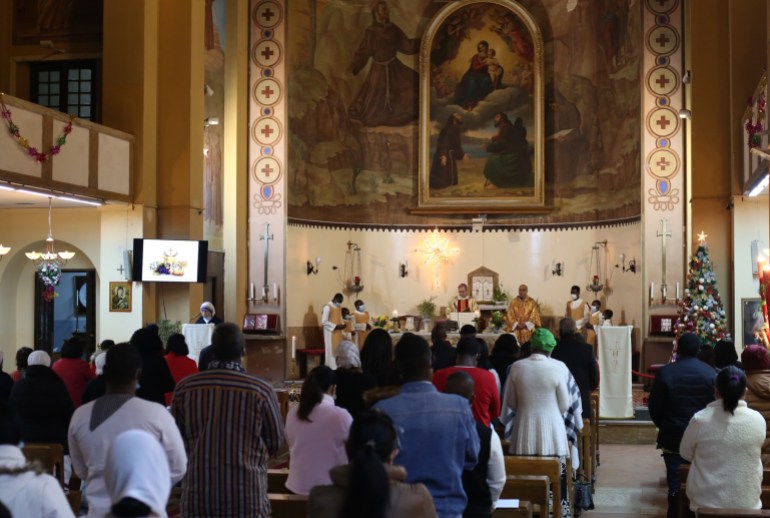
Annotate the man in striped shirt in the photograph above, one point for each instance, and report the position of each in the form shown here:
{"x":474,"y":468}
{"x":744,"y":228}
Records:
{"x":231,"y":424}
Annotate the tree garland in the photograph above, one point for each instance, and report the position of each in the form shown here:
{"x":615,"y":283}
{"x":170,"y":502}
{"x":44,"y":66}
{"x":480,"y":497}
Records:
{"x":753,"y":129}
{"x":39,"y":156}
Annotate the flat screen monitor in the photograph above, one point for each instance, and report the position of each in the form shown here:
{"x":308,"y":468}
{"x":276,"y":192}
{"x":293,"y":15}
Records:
{"x":169,"y":260}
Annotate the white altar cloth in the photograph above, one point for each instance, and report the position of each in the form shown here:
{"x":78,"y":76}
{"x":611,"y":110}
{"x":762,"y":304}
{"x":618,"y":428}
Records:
{"x":614,"y":348}
{"x":197,"y":337}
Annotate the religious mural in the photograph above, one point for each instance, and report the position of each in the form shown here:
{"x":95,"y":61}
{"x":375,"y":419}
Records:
{"x":65,"y":20}
{"x":481,"y":117}
{"x":353,"y":107}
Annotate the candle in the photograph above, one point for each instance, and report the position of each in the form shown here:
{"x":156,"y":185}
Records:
{"x":677,"y":290}
{"x":252,"y":291}
{"x":293,"y":347}
{"x":395,"y":313}
{"x":652,"y":291}
{"x":275,"y":291}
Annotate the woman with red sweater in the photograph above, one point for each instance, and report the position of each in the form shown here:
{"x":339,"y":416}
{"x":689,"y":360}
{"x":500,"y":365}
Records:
{"x":73,"y":370}
{"x":178,"y":362}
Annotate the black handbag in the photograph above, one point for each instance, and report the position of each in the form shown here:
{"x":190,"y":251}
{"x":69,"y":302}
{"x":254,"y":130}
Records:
{"x":583,"y":497}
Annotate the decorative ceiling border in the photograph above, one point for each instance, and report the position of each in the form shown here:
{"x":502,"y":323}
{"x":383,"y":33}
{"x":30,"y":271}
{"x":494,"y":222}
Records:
{"x":464,"y":227}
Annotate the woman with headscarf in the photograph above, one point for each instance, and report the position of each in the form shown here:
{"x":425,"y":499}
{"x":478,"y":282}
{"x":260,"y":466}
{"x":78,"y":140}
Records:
{"x":137,"y":476}
{"x":352,"y":381}
{"x":208,"y":314}
{"x":537,"y":393}
{"x":756,"y":361}
{"x":723,"y":444}
{"x":42,"y":401}
{"x":316,"y":431}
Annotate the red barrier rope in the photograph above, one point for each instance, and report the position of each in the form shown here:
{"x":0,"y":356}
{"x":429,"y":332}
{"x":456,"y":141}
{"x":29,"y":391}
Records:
{"x":637,"y":373}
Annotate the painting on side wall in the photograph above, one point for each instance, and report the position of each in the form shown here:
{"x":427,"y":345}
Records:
{"x":57,"y":20}
{"x":120,"y":297}
{"x":753,"y":321}
{"x":481,"y":109}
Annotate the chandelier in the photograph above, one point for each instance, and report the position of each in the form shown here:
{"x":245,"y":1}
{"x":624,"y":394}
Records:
{"x":49,"y":263}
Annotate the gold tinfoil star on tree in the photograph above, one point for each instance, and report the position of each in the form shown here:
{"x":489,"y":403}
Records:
{"x":437,"y":251}
{"x":702,"y":237}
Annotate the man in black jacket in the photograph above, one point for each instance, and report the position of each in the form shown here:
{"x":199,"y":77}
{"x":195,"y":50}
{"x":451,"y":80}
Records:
{"x":578,"y":356}
{"x":680,"y":389}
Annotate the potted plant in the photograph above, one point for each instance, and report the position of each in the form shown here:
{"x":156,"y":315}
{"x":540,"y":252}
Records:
{"x":500,"y":295}
{"x":427,"y":308}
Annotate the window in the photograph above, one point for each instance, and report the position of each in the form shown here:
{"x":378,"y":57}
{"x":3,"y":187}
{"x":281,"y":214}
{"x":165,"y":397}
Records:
{"x":67,"y":86}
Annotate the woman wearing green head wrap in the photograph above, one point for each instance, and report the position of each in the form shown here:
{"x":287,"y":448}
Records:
{"x":537,"y":392}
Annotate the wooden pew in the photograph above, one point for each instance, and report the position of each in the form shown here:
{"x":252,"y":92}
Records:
{"x":684,"y":501}
{"x":532,"y":488}
{"x":548,"y":466}
{"x":585,"y":447}
{"x":51,"y":458}
{"x":276,"y":481}
{"x":730,"y":513}
{"x":523,"y":511}
{"x":287,"y":506}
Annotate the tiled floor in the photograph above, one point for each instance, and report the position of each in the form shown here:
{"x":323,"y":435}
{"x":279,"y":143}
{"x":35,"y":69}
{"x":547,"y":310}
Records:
{"x":631,"y":481}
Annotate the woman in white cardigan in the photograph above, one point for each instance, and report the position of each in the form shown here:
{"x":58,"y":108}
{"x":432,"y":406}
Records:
{"x":723,"y":442}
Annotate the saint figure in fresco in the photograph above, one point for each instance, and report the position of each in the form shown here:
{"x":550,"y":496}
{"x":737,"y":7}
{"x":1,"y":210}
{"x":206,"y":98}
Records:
{"x":388,"y":96}
{"x":509,"y":164}
{"x":449,"y":149}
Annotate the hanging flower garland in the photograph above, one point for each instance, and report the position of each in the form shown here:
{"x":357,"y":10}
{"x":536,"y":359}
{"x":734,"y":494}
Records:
{"x":50,"y":275}
{"x":753,"y":129}
{"x":39,"y":156}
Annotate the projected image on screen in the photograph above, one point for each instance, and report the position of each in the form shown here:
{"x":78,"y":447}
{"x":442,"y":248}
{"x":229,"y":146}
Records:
{"x":170,"y":261}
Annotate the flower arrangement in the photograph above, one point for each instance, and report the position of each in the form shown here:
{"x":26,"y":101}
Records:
{"x":427,"y":308}
{"x":380,"y":321}
{"x":39,"y":156}
{"x":500,"y":294}
{"x":497,"y":319}
{"x":50,"y":275}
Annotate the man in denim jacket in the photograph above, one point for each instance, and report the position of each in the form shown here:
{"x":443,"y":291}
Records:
{"x":437,"y":433}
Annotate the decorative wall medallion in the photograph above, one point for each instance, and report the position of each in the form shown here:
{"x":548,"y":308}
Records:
{"x":267,"y":14}
{"x":267,"y":91}
{"x":266,"y":170}
{"x":266,"y":53}
{"x":266,"y":131}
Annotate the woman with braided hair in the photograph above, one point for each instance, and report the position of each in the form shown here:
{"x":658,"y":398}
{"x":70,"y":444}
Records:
{"x":371,"y":485}
{"x":723,"y":442}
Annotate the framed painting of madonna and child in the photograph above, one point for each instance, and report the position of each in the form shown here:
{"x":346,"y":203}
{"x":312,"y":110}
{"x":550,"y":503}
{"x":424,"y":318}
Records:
{"x":481,"y":109}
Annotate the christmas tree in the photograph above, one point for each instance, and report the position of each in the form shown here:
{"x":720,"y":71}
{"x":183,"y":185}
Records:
{"x":701,"y":311}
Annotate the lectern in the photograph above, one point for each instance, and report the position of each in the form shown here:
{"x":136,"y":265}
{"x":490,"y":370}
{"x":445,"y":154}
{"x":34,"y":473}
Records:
{"x":197,"y":337}
{"x":614,"y":348}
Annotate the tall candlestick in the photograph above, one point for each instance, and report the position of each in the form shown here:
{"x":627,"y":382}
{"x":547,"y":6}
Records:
{"x":293,"y":347}
{"x":275,"y":291}
{"x":677,"y":291}
{"x":652,"y":291}
{"x":252,"y":291}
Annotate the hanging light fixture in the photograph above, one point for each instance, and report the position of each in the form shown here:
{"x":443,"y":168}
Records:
{"x":49,"y":263}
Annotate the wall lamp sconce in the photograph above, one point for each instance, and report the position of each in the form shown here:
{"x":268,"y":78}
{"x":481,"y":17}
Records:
{"x":208,"y":91}
{"x":402,"y":269}
{"x":558,"y":270}
{"x":48,"y":44}
{"x":313,"y":268}
{"x":687,"y":77}
{"x":4,"y":251}
{"x":631,"y":264}
{"x":686,"y":114}
{"x":210,"y":121}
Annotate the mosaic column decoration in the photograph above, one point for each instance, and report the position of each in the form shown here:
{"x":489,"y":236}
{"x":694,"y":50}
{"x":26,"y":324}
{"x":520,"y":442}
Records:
{"x":267,"y":158}
{"x":663,"y":152}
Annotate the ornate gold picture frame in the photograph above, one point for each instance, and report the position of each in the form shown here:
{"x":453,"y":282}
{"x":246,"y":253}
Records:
{"x":481,"y":109}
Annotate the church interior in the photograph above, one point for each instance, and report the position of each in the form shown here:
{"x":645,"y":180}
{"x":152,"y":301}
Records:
{"x":271,"y":131}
